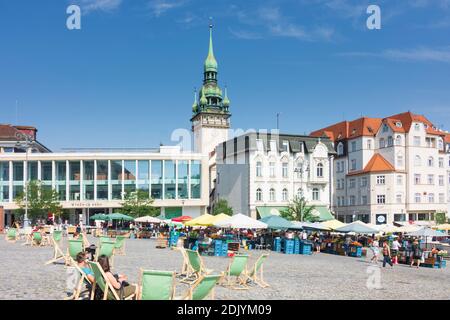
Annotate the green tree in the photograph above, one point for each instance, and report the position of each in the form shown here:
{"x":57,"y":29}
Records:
{"x":222,"y":207}
{"x":299,"y":210}
{"x":138,"y":204}
{"x":41,"y":201}
{"x":440,"y":217}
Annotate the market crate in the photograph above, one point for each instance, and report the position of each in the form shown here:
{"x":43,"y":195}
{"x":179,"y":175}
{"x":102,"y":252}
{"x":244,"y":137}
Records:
{"x":355,"y":251}
{"x":305,"y":248}
{"x":436,"y":265}
{"x":276,"y":245}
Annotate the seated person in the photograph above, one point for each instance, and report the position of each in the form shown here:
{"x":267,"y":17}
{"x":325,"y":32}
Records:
{"x":83,"y":265}
{"x":118,"y":281}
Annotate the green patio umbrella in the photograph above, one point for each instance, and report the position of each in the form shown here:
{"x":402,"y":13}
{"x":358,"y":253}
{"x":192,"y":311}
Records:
{"x":277,"y":222}
{"x":119,"y":216}
{"x":99,"y":216}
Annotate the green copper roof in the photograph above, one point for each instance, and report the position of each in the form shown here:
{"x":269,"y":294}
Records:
{"x":203,"y":100}
{"x":226,"y":101}
{"x":210,"y":62}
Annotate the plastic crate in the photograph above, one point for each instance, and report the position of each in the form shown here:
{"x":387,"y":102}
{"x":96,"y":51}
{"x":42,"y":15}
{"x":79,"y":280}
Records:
{"x":277,"y":245}
{"x":305,"y":248}
{"x":355,"y":252}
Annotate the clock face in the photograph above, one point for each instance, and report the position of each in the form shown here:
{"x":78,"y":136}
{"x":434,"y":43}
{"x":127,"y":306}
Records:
{"x":381,"y":218}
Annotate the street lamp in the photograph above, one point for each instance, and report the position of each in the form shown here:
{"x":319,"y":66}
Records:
{"x":25,"y":144}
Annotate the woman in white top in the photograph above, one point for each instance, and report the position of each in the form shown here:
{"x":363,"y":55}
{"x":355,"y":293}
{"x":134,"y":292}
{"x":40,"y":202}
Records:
{"x":395,"y":247}
{"x":374,"y":247}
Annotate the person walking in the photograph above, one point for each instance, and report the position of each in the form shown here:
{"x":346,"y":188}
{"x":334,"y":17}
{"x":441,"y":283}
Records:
{"x":387,"y":255}
{"x":416,"y":253}
{"x":395,"y":247}
{"x":375,"y":248}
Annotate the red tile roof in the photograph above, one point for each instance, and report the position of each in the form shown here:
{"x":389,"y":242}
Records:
{"x":370,"y":126}
{"x":376,"y":164}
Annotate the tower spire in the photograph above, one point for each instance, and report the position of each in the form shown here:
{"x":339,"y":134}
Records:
{"x":210,"y":62}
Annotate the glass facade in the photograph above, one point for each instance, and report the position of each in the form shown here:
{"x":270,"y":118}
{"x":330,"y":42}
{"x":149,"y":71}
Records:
{"x":74,"y":180}
{"x":46,"y":175}
{"x":17,"y":178}
{"x":60,"y":179}
{"x":116,"y":180}
{"x":144,"y":175}
{"x":102,"y":179}
{"x":157,"y":179}
{"x":88,"y":180}
{"x":195,"y":179}
{"x":4,"y":181}
{"x":183,"y":179}
{"x":129,"y":176}
{"x":169,"y":179}
{"x":32,"y":170}
{"x":79,"y":180}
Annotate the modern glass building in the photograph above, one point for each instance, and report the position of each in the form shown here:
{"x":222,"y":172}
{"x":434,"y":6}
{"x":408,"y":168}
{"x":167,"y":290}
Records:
{"x":93,"y":182}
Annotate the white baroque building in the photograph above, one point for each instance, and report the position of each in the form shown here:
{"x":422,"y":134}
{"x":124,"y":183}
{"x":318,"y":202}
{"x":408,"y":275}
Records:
{"x":259,"y":173}
{"x":389,"y":169}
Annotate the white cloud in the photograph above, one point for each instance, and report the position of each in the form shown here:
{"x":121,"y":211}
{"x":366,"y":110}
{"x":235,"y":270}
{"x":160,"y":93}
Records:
{"x":160,"y":7}
{"x":243,"y":34}
{"x":418,"y":54}
{"x":102,"y":5}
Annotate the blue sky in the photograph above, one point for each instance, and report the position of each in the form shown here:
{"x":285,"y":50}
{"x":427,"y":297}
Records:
{"x":126,"y":78}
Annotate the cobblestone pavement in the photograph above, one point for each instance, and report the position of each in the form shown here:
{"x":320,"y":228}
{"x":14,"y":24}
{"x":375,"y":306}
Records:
{"x":23,"y":275}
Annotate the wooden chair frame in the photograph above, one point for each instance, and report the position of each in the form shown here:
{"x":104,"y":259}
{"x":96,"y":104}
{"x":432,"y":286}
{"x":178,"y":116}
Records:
{"x":58,"y":254}
{"x":108,"y":287}
{"x":253,"y":276}
{"x":78,"y":289}
{"x":240,"y":282}
{"x":190,"y":292}
{"x":192,"y":275}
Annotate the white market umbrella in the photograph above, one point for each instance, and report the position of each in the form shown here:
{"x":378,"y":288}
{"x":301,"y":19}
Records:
{"x":426,"y":232}
{"x":148,"y":219}
{"x":389,"y":228}
{"x":357,"y":227}
{"x":409,"y":228}
{"x":240,"y":221}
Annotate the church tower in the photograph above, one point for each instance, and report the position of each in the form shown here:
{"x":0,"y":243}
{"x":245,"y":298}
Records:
{"x":210,"y":111}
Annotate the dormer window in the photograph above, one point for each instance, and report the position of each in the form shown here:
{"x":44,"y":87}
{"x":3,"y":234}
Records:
{"x":354,"y":131}
{"x":398,"y":124}
{"x":417,"y":127}
{"x":385,"y":128}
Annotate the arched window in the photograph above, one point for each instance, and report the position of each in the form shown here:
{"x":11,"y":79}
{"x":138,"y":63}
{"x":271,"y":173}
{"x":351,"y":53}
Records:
{"x":259,"y":169}
{"x":431,"y":162}
{"x":285,"y":194}
{"x":299,"y":192}
{"x":316,"y":194}
{"x":398,"y":140}
{"x":272,"y":194}
{"x":417,"y":161}
{"x":340,"y":149}
{"x":320,"y":170}
{"x":258,"y":194}
{"x":298,"y":169}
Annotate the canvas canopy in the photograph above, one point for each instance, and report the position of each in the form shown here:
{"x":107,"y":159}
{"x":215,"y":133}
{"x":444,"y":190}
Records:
{"x":426,"y":232}
{"x":199,"y":220}
{"x":277,"y":222}
{"x":148,"y":219}
{"x":333,"y":224}
{"x":445,"y":226}
{"x":240,"y":221}
{"x":357,"y":227}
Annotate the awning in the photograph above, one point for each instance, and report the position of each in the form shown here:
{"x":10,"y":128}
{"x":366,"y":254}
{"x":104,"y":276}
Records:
{"x":270,"y":211}
{"x":323,"y":213}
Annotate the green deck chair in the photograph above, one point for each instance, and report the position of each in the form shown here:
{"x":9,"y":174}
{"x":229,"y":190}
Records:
{"x":74,"y":248}
{"x":119,"y":246}
{"x":11,"y":236}
{"x":57,"y":252}
{"x":196,"y":265}
{"x":109,"y":293}
{"x":256,"y":273}
{"x":107,"y":249}
{"x":37,"y":239}
{"x":156,"y":285}
{"x":237,"y":268}
{"x":203,"y":287}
